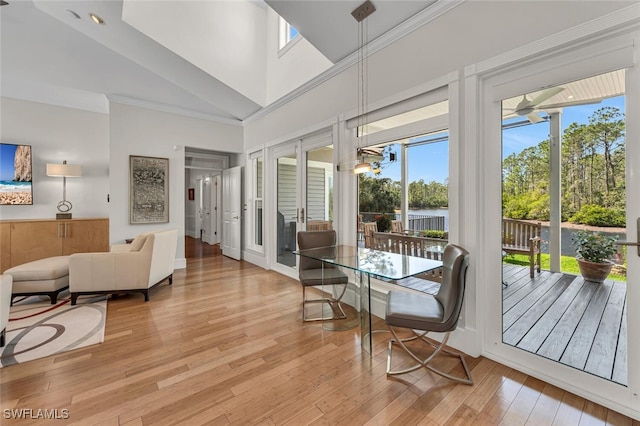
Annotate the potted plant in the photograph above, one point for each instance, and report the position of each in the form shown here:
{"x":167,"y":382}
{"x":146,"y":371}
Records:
{"x":383,"y":222}
{"x":593,"y":250}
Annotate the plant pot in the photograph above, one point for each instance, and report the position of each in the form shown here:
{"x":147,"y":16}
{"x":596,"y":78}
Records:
{"x":596,"y":272}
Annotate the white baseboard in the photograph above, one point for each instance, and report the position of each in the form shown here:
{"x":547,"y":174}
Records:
{"x":257,"y":259}
{"x":180,"y":263}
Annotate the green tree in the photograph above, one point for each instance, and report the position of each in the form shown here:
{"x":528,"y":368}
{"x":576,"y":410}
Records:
{"x":593,"y":159}
{"x":606,"y":127}
{"x":380,"y":195}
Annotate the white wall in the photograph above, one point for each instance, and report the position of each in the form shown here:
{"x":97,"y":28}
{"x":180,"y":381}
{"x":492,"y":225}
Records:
{"x":56,"y":134}
{"x":139,"y":131}
{"x":231,"y":35}
{"x":447,"y":44}
{"x":296,"y":65}
{"x":101,"y":144}
{"x":444,"y":50}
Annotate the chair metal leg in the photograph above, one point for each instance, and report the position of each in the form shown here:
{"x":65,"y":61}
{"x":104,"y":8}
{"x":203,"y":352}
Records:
{"x":425,"y":362}
{"x":334,"y":303}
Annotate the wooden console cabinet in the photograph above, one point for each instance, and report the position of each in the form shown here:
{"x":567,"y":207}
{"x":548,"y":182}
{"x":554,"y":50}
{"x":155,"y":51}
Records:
{"x":22,"y":241}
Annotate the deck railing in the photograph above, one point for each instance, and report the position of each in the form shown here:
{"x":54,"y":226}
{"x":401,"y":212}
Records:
{"x":417,"y":222}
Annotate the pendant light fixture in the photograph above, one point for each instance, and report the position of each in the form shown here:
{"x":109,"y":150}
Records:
{"x":360,"y":14}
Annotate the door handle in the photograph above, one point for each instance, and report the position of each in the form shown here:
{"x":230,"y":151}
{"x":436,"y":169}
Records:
{"x":631,"y":243}
{"x":302,"y":216}
{"x":236,"y":217}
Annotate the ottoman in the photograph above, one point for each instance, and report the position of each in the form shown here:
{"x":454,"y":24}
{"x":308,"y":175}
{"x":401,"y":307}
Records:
{"x":5,"y":302}
{"x":48,"y":276}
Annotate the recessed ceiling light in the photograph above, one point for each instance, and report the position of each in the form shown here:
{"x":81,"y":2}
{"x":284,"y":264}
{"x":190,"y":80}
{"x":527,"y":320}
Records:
{"x":95,"y":18}
{"x":74,"y":14}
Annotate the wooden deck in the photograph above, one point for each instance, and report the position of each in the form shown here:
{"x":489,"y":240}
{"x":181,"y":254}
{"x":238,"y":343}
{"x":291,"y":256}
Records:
{"x":564,"y":318}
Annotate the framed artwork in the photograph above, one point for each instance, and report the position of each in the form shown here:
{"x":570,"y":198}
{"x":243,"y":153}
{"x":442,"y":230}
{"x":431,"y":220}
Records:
{"x":16,"y":187}
{"x":148,"y":189}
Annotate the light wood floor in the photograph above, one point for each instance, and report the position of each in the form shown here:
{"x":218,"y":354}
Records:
{"x":225,"y":345}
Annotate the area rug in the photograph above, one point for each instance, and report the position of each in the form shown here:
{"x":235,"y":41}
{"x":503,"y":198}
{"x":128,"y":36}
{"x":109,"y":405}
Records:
{"x":38,"y":329}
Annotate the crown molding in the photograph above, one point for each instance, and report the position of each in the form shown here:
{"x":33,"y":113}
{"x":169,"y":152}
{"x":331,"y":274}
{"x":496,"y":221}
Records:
{"x":620,"y":20}
{"x":172,"y":110}
{"x":418,"y":20}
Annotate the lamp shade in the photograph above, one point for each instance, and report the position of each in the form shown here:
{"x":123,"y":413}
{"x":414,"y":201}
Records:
{"x":64,"y":170}
{"x":362,"y":168}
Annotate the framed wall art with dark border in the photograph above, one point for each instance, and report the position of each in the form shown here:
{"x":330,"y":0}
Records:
{"x":148,"y":189}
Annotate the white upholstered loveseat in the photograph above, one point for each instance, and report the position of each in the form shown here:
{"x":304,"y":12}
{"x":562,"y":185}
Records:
{"x":127,"y":268}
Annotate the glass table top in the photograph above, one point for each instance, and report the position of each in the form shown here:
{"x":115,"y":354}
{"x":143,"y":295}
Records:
{"x":383,"y":264}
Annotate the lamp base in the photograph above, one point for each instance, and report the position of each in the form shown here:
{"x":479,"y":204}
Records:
{"x":63,"y":216}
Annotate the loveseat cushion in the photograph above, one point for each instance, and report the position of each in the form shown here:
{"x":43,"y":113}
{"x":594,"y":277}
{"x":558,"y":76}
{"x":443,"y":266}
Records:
{"x":138,"y":242}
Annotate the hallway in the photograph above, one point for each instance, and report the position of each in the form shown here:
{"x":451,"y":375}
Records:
{"x":194,"y":248}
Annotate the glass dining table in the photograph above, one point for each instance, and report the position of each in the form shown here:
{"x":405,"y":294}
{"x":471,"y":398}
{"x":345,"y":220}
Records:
{"x":368,"y":263}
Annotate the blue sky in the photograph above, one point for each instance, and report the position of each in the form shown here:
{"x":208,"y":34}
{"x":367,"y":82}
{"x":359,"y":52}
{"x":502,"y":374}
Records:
{"x":517,"y":139}
{"x":7,"y":155}
{"x":430,"y":162}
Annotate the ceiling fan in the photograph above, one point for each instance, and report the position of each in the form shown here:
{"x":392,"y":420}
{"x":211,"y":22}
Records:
{"x":528,"y":107}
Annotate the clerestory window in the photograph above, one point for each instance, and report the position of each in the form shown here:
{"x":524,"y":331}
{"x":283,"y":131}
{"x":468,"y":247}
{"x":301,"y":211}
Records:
{"x":287,"y":33}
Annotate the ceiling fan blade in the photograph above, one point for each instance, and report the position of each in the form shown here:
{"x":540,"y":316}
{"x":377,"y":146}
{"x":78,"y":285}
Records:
{"x":546,"y":95}
{"x":573,"y":103}
{"x":534,"y":118}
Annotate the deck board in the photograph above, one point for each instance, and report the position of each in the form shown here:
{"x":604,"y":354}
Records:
{"x":603,"y":352}
{"x":620,"y":365}
{"x":538,"y":333}
{"x":531,"y":317}
{"x":558,"y":339}
{"x":564,"y":318}
{"x":580,"y":344}
{"x":518,"y":304}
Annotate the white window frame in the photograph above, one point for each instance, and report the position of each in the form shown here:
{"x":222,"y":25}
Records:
{"x":492,"y":85}
{"x":285,"y":42}
{"x":253,"y":199}
{"x":437,"y":90}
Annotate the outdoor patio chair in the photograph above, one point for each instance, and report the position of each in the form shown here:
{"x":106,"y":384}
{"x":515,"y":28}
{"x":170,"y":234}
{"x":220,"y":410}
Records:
{"x":397,"y":226}
{"x":369,"y":229}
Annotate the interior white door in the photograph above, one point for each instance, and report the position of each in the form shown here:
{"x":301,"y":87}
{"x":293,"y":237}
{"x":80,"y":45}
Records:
{"x":199,"y":210}
{"x":215,"y":216}
{"x":231,"y":212}
{"x":206,"y":210}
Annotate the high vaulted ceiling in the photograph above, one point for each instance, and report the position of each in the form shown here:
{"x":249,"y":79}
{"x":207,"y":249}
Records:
{"x":53,"y":53}
{"x":331,"y":28}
